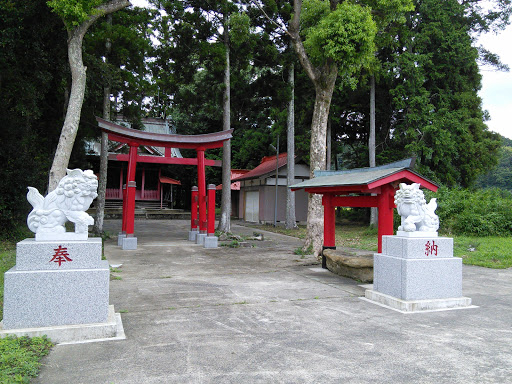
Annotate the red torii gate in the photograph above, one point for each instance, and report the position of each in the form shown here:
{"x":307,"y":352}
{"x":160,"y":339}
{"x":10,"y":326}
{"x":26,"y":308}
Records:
{"x":355,"y":187}
{"x":134,"y":138}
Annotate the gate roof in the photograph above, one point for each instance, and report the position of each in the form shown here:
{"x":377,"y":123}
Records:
{"x":364,"y":180}
{"x":136,"y":137}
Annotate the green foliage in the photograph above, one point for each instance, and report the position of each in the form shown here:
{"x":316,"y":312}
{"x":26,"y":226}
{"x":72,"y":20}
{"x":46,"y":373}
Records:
{"x":427,"y":103}
{"x":19,"y":357}
{"x":74,"y":12}
{"x":483,"y":212}
{"x":239,"y":28}
{"x":345,"y":35}
{"x":33,"y":79}
{"x":303,"y":252}
{"x":501,"y":175}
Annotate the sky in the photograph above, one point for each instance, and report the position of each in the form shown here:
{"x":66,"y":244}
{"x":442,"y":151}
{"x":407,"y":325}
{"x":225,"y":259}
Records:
{"x":496,"y":92}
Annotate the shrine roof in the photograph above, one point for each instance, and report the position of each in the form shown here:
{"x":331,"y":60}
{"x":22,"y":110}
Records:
{"x":267,"y":165}
{"x":362,"y":179}
{"x":128,"y":135}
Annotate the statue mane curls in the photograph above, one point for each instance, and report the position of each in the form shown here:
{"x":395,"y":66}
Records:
{"x":68,"y":202}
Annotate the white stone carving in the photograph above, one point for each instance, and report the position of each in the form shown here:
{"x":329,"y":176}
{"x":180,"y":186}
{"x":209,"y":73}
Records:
{"x":417,"y":216}
{"x":69,"y":201}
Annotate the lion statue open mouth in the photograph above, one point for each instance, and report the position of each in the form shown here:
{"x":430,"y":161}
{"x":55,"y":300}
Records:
{"x":69,"y":201}
{"x":416,"y":214}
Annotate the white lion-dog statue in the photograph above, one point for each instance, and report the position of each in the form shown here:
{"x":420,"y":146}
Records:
{"x":416,"y":214}
{"x":69,"y":201}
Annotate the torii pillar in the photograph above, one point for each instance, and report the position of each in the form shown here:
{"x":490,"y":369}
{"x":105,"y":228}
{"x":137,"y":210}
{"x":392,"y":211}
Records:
{"x":126,"y":239}
{"x":201,"y":184}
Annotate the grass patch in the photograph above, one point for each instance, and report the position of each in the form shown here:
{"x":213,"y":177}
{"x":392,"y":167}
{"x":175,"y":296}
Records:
{"x":347,"y":235}
{"x":484,"y":251}
{"x":20,"y":357}
{"x":303,"y":252}
{"x":489,"y":252}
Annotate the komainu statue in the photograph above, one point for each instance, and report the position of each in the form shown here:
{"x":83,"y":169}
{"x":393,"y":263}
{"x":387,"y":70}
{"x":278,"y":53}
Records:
{"x":69,"y":201}
{"x":416,"y":214}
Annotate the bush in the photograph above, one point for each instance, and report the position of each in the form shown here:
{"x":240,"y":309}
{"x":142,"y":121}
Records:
{"x":483,"y":212}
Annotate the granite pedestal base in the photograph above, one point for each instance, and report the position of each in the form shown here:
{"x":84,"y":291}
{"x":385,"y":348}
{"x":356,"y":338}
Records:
{"x":410,"y":306}
{"x":129,"y":243}
{"x":200,"y":238}
{"x":55,"y":297}
{"x":416,"y":273}
{"x":192,"y":235}
{"x":417,"y":279}
{"x":120,"y":238}
{"x":111,"y":329}
{"x":211,"y":242}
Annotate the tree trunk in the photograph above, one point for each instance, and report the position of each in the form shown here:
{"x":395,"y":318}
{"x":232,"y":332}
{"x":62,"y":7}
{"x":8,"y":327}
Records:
{"x":76,"y":98}
{"x":324,"y":79}
{"x":328,"y":146}
{"x":374,"y":218}
{"x":315,"y":223}
{"x":290,"y":195}
{"x":102,"y":184}
{"x":225,"y":214}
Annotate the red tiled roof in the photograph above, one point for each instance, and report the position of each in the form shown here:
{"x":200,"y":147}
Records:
{"x":168,"y":180}
{"x":267,"y":165}
{"x":234,"y":174}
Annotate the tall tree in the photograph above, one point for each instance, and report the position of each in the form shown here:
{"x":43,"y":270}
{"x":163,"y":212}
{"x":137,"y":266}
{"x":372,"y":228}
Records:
{"x":225,"y":211}
{"x":102,"y":182}
{"x":328,"y":38}
{"x":290,"y":149}
{"x":78,"y":16}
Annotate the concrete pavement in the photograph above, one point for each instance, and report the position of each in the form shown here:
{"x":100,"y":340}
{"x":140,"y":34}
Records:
{"x":265,"y":315}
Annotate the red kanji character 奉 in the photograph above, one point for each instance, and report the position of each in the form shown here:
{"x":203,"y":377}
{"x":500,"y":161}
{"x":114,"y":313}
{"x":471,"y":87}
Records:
{"x":61,"y":255}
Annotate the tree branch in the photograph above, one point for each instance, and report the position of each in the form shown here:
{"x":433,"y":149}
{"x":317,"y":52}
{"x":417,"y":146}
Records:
{"x":297,"y":42}
{"x":282,"y":28}
{"x":102,"y":10}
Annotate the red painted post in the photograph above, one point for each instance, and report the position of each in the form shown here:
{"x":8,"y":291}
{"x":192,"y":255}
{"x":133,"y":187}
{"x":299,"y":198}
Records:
{"x":211,"y":210}
{"x":385,"y":205}
{"x":193,"y":209}
{"x":329,"y":221}
{"x":123,"y":224}
{"x":329,"y":225}
{"x":201,"y":182}
{"x":121,"y":183}
{"x":130,"y":191}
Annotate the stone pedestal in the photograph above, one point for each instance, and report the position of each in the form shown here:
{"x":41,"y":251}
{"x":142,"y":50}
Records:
{"x":129,"y":243}
{"x":58,"y":284}
{"x":417,"y":273}
{"x":211,"y":242}
{"x":192,"y":235}
{"x":120,"y":238}
{"x":200,"y":238}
